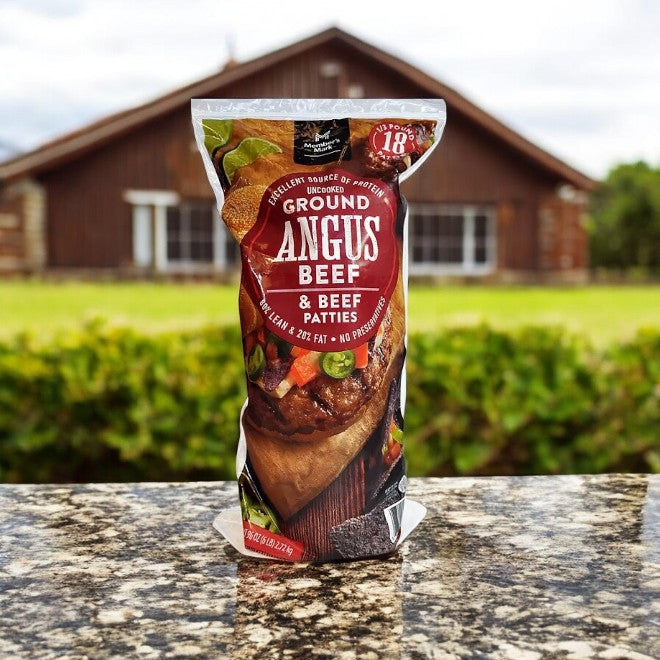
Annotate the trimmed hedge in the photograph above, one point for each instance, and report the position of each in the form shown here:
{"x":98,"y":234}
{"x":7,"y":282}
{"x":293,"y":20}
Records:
{"x":535,"y":401}
{"x":109,"y":404}
{"x":115,"y":405}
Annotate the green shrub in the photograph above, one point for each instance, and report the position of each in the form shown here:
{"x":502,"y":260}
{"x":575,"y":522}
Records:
{"x":535,"y":401}
{"x":112,"y":404}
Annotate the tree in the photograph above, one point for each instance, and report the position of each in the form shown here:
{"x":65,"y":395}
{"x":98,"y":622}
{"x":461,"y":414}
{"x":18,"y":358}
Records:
{"x":625,"y":218}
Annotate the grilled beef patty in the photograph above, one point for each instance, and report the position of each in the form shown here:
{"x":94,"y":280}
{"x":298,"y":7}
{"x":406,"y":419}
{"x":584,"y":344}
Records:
{"x":325,"y":403}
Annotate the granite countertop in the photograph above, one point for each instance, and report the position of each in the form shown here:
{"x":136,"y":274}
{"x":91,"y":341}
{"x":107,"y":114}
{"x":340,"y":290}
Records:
{"x":528,"y":567}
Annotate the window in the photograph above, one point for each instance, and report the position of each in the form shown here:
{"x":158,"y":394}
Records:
{"x":197,"y":238}
{"x":171,"y":235}
{"x":190,"y":233}
{"x":451,"y":239}
{"x":148,"y":225}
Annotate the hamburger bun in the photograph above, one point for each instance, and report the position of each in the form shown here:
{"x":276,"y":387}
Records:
{"x":241,"y":208}
{"x":250,"y":316}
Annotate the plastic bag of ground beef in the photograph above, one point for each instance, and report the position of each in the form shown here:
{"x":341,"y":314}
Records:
{"x":310,"y":190}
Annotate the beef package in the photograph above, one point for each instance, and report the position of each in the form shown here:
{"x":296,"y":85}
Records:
{"x":310,"y":190}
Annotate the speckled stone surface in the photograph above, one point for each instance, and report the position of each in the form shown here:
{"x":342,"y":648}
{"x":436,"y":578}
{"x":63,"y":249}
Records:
{"x":534,"y":567}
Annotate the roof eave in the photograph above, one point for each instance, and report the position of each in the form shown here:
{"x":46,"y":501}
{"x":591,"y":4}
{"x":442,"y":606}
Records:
{"x":54,"y":153}
{"x":456,"y":101}
{"x":97,"y":133}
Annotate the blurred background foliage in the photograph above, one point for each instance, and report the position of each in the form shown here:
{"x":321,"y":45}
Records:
{"x":107,"y":404}
{"x":625,"y":220}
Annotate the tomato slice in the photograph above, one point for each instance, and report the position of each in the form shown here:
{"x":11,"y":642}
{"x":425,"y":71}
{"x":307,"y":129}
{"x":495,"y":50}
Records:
{"x":361,"y":356}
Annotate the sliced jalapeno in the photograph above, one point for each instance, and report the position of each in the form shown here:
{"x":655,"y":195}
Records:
{"x":256,"y":362}
{"x":397,"y":434}
{"x":338,"y":364}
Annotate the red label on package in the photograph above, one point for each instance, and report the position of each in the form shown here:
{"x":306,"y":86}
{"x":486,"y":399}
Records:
{"x":391,"y":140}
{"x":261,"y":540}
{"x":322,"y":260}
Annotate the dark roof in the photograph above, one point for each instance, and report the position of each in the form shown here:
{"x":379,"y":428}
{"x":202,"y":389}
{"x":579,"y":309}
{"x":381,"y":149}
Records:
{"x":67,"y":147}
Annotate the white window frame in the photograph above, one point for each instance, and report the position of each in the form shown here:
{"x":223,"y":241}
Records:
{"x":158,"y":201}
{"x":468,"y":266}
{"x":143,"y":236}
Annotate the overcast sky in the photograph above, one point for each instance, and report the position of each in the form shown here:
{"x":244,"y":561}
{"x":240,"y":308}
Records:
{"x":581,"y":77}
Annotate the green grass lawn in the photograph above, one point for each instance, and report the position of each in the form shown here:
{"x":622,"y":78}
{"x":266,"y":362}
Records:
{"x":602,"y":313}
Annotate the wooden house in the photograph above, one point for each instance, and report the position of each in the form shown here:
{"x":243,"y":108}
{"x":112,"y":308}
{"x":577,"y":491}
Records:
{"x":127,"y":195}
